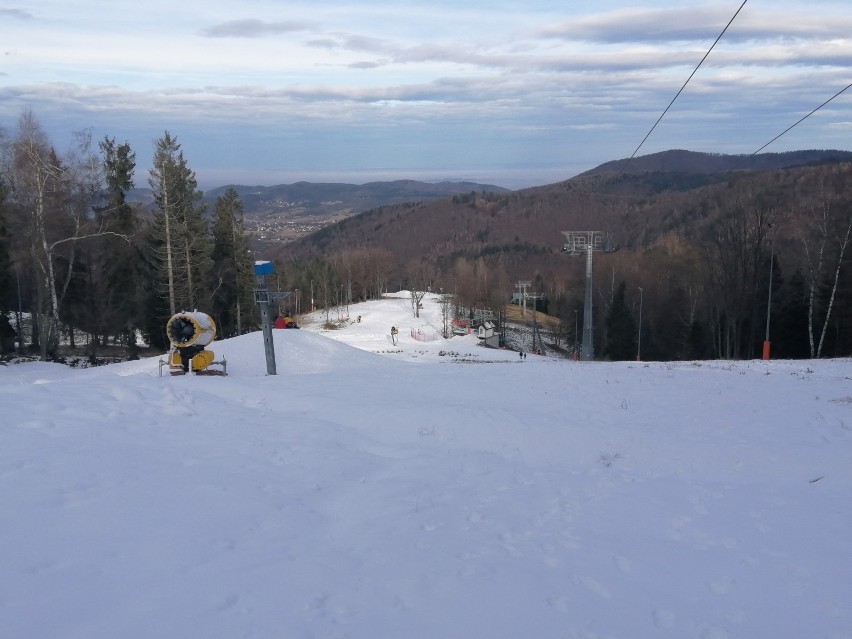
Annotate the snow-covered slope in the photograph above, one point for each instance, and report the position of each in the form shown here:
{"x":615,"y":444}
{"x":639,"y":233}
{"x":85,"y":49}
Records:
{"x":371,"y":490}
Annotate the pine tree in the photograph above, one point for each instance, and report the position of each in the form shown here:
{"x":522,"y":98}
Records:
{"x":7,"y":333}
{"x":231,"y":275}
{"x":6,"y":278}
{"x":120,"y":262}
{"x":179,"y":232}
{"x":696,"y":342}
{"x":620,"y":328}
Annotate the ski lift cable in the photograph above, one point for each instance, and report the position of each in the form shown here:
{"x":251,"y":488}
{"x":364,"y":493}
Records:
{"x":792,"y":126}
{"x":694,"y":71}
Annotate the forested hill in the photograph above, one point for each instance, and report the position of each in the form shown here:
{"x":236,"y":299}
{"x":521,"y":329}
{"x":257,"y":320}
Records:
{"x":698,"y":244}
{"x":680,"y":161}
{"x":524,"y":228}
{"x":287,"y":212}
{"x":284,"y":212}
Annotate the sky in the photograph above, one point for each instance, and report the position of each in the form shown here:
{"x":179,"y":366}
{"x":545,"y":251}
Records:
{"x":423,"y":490}
{"x":511,"y":93}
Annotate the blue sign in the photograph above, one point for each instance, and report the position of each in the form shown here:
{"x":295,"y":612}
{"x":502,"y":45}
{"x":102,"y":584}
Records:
{"x":264,"y":267}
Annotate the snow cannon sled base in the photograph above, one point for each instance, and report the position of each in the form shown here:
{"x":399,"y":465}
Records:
{"x":189,"y":333}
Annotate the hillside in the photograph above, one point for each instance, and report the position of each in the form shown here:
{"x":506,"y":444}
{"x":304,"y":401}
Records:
{"x":522,"y":230}
{"x":681,"y":161}
{"x":284,"y":212}
{"x":636,"y":207}
{"x":697,"y":244}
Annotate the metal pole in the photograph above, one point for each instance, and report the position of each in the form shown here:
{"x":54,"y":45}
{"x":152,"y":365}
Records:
{"x":639,"y":341}
{"x":20,"y":313}
{"x":266,"y":323}
{"x":576,"y":335}
{"x":588,"y":344}
{"x":766,"y":344}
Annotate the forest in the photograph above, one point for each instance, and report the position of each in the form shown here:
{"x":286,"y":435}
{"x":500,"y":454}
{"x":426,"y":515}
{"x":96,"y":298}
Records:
{"x":82,"y":269}
{"x":710,"y":258}
{"x":700,"y":266}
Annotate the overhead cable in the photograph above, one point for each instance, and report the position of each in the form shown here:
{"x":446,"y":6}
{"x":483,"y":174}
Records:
{"x":792,"y":126}
{"x":647,"y":135}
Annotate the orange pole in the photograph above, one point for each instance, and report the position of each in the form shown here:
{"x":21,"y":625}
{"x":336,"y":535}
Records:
{"x":766,"y":350}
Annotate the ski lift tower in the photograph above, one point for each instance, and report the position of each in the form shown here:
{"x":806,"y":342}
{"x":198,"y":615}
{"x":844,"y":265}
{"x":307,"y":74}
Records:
{"x":522,"y":286}
{"x":579,"y":242}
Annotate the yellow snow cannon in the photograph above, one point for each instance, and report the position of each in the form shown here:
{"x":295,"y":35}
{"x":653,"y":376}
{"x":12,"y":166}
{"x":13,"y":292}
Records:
{"x":189,"y":333}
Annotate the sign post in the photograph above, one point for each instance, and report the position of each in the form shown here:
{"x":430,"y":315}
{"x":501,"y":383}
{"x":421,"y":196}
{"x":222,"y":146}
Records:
{"x":263,"y":268}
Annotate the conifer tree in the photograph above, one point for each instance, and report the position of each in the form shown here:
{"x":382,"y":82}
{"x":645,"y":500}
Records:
{"x":231,"y":274}
{"x":6,"y":279}
{"x":179,"y":231}
{"x":620,"y":328}
{"x":5,"y":257}
{"x":119,"y":264}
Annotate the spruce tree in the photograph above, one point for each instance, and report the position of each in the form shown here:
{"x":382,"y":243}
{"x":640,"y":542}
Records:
{"x":179,"y":232}
{"x":231,"y":274}
{"x":6,"y":277}
{"x":7,"y":333}
{"x":119,"y":264}
{"x":620,"y":328}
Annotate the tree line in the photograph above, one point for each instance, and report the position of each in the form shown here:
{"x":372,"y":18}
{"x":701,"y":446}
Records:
{"x":81,"y":265}
{"x":707,"y":266}
{"x":763,"y":255}
{"x":703,"y":258}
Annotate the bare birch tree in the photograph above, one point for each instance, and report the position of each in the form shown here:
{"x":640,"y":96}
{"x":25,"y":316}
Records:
{"x":57,"y":197}
{"x":824,"y":240}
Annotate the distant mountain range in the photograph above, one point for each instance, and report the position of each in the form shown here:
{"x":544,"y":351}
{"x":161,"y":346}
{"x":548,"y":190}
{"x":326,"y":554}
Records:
{"x":352,"y":196}
{"x":286,"y":212}
{"x":678,"y":194}
{"x":680,"y":161}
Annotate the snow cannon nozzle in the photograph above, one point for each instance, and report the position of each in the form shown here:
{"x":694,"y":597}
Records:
{"x":191,"y":329}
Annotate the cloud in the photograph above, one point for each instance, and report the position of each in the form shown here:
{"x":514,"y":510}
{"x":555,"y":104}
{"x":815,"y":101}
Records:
{"x":492,"y":81}
{"x":540,"y":59}
{"x":641,"y":25}
{"x":366,"y":65}
{"x":323,"y":43}
{"x":696,"y":24}
{"x":251,"y":28}
{"x":17,"y":14}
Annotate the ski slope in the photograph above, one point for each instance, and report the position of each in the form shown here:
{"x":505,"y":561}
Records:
{"x":425,"y":490}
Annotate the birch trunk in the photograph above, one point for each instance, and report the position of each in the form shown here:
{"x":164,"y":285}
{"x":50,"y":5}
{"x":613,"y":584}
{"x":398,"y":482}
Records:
{"x":168,"y":240}
{"x":843,"y":244}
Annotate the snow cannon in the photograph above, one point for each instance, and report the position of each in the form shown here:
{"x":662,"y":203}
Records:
{"x":189,"y":333}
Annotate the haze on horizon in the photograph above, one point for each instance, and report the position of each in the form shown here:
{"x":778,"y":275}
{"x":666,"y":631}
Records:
{"x":516,"y":95}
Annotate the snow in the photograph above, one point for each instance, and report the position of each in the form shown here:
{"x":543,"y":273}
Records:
{"x":425,"y":490}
